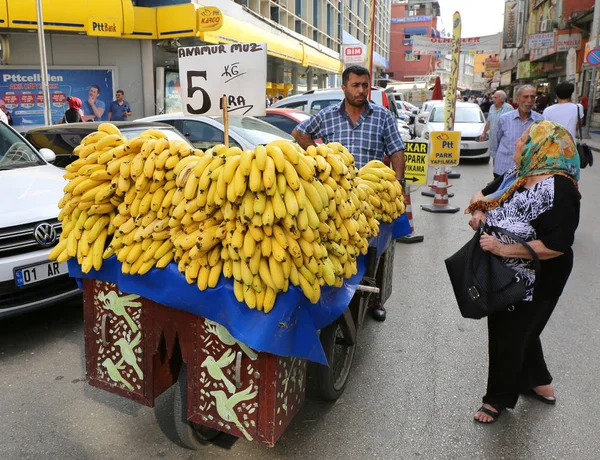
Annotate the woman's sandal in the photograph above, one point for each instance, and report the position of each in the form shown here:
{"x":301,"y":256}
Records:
{"x":489,"y":412}
{"x":545,"y":399}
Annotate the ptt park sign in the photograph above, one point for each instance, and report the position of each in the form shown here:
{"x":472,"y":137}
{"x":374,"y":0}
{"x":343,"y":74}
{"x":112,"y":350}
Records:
{"x":415,"y":159}
{"x":445,"y":148}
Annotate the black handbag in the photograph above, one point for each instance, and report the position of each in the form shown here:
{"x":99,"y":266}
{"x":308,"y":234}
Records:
{"x":483,"y":284}
{"x":586,"y":158}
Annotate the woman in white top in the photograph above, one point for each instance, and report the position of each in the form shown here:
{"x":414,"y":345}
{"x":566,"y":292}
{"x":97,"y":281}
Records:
{"x":565,"y":112}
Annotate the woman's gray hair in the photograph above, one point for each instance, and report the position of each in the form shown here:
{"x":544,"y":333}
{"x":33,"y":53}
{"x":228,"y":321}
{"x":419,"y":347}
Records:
{"x":520,"y":90}
{"x":501,"y":93}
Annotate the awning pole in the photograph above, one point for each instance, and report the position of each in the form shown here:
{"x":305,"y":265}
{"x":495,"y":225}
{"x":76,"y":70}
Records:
{"x":43,"y":64}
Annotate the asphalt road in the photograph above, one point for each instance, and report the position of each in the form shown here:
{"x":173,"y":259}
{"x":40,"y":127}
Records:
{"x":416,"y":382}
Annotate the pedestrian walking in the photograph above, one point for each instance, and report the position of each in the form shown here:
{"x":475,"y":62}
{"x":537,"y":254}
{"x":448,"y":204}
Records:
{"x":486,"y":104}
{"x":368,"y":130}
{"x":539,"y":202}
{"x":564,"y":112}
{"x":511,"y":127}
{"x":497,"y":109}
{"x":119,"y":109}
{"x":541,"y":102}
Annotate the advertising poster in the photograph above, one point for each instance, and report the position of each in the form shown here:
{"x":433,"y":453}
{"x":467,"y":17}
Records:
{"x":21,"y":91}
{"x":509,"y":38}
{"x":172,"y":92}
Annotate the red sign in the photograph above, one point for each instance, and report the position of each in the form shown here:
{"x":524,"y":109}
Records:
{"x":39,"y":98}
{"x":11,"y":100}
{"x":353,"y":51}
{"x":27,"y":100}
{"x":59,"y":98}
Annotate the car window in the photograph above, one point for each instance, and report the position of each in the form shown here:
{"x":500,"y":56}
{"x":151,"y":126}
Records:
{"x":255,"y":131}
{"x":202,"y":135}
{"x":295,"y":105}
{"x":15,"y":152}
{"x":282,"y":122}
{"x":62,"y":144}
{"x":463,"y":115}
{"x":317,"y":106}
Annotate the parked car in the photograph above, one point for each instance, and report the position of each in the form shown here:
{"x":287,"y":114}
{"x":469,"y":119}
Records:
{"x":206,"y":132}
{"x":407,"y":109}
{"x":284,"y":119}
{"x":422,"y":116}
{"x":31,"y":188}
{"x":469,"y":120}
{"x":62,"y":139}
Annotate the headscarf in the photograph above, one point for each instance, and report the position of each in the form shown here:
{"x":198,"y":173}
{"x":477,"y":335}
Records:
{"x":74,"y":103}
{"x":549,"y":149}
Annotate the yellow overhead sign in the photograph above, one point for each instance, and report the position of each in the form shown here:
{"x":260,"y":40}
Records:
{"x":415,"y":160}
{"x":209,"y":19}
{"x":445,"y":148}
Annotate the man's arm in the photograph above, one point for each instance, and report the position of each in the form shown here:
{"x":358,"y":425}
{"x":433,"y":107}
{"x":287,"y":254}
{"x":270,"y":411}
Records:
{"x":496,"y":136}
{"x":110,"y":113}
{"x":486,"y":128}
{"x":398,"y":164}
{"x":98,"y":111}
{"x":304,"y":140}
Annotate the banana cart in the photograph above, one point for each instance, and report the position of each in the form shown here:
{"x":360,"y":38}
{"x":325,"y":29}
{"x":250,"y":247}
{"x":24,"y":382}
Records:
{"x":137,"y":345}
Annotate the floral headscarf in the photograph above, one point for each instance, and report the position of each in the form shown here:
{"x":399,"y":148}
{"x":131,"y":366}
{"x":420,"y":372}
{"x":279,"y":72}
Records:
{"x":549,"y":149}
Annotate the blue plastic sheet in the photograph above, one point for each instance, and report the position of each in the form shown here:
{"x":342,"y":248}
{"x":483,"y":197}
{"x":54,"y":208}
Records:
{"x":290,"y":329}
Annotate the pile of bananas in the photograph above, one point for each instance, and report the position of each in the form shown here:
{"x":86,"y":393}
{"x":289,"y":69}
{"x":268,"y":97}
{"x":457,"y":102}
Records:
{"x":266,"y":218}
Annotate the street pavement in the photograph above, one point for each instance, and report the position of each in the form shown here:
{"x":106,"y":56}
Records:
{"x":416,"y":382}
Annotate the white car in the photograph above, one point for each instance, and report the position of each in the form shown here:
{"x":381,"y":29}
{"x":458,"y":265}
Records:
{"x":469,"y":121}
{"x":206,"y":132}
{"x":31,"y":189}
{"x":422,"y":116}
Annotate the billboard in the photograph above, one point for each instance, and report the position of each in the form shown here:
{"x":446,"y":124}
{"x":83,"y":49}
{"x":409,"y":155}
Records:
{"x":423,"y":45}
{"x":21,"y":91}
{"x":509,"y":36}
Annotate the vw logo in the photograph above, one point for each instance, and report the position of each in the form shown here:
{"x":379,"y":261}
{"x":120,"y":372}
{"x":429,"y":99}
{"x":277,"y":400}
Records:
{"x":45,"y":234}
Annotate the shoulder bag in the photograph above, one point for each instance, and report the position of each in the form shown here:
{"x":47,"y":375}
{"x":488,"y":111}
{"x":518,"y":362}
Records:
{"x":482,"y":283}
{"x":586,"y":157}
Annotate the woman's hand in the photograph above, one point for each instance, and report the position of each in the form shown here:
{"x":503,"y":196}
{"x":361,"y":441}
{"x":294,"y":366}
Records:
{"x":476,"y":217}
{"x":491,"y":244}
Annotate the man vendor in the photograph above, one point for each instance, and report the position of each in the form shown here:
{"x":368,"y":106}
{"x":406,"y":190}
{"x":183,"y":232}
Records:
{"x":367,"y":130}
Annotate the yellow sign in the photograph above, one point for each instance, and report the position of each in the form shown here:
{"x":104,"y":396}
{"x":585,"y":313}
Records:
{"x":104,"y":27}
{"x":209,"y":19}
{"x":445,"y":148}
{"x":450,"y":102}
{"x":415,"y":159}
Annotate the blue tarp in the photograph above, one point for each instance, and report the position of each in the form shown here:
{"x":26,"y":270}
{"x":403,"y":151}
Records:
{"x":290,"y":329}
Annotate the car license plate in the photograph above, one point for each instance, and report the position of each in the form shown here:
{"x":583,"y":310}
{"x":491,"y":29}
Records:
{"x":39,"y":272}
{"x":464,"y":146}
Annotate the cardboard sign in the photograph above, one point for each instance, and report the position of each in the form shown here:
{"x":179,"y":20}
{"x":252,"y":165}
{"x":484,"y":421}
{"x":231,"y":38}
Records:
{"x":237,"y":71}
{"x":415,"y":159}
{"x":445,"y":148}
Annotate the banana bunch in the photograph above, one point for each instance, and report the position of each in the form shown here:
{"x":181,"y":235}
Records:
{"x":383,"y":190}
{"x":267,"y":218}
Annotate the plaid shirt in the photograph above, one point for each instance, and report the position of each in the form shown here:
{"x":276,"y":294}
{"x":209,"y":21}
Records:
{"x":510,"y":128}
{"x":495,"y":114}
{"x":374,"y":134}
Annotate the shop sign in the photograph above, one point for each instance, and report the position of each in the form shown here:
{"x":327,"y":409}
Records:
{"x":537,"y":70}
{"x":237,"y":71}
{"x":104,"y":27}
{"x":505,"y":78}
{"x":542,"y":41}
{"x":491,"y":68}
{"x":423,"y":45}
{"x":415,"y":160}
{"x":21,"y":90}
{"x":353,"y":54}
{"x":566,"y":42}
{"x":509,"y":37}
{"x":210,"y":19}
{"x":445,"y":148}
{"x":524,"y":70}
{"x":411,"y":19}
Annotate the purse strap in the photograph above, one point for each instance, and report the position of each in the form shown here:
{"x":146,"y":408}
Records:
{"x":536,"y":260}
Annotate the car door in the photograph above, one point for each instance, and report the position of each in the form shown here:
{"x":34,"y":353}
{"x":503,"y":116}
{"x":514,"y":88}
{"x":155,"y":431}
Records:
{"x":201,"y":134}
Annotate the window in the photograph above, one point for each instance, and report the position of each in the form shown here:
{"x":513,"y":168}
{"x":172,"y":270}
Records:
{"x":284,"y":123}
{"x":202,"y":135}
{"x":295,"y":105}
{"x":411,"y":57}
{"x":317,"y":106}
{"x":463,"y":115}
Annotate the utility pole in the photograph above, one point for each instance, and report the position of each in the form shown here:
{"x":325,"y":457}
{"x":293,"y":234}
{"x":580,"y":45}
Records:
{"x":44,"y":64}
{"x":592,"y":91}
{"x":371,"y":44}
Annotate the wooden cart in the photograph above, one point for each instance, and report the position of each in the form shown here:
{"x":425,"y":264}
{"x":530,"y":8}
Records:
{"x":137,"y":348}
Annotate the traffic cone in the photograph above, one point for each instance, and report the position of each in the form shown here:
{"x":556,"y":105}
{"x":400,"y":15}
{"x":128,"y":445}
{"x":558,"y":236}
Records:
{"x":440,"y":201}
{"x":432,"y":187}
{"x":412,"y":237}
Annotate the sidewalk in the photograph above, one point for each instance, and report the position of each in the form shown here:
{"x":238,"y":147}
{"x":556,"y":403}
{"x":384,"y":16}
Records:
{"x":594,"y":141}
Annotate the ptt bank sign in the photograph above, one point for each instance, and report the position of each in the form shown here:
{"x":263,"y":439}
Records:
{"x":104,"y":27}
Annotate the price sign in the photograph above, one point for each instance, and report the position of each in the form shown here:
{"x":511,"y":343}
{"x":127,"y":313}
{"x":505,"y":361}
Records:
{"x":237,"y":71}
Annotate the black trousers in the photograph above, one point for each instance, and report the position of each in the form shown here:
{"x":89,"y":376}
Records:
{"x":516,"y":358}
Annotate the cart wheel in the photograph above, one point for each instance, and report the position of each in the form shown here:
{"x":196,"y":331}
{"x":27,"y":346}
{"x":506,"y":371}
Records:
{"x":331,"y":381}
{"x":192,"y":435}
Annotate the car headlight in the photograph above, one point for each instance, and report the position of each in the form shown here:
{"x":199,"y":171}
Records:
{"x":485,"y":138}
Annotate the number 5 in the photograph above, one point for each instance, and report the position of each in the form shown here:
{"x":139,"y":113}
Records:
{"x":206,"y":104}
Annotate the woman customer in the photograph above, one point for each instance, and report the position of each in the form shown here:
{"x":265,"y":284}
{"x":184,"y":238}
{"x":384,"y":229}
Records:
{"x":538,"y":200}
{"x":74,"y":113}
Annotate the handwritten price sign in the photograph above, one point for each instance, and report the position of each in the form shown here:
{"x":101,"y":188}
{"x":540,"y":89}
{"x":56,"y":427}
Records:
{"x":237,"y":71}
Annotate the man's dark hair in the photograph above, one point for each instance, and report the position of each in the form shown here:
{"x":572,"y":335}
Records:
{"x":120,"y":91}
{"x":564,"y":90}
{"x":356,"y":70}
{"x":97,"y":88}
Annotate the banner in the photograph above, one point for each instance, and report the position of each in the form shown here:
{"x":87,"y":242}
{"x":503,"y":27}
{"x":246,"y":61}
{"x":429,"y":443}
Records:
{"x":451,"y":90}
{"x":509,"y":37}
{"x":411,"y":19}
{"x":423,"y":45}
{"x":21,"y":91}
{"x":237,"y":71}
{"x":567,"y":42}
{"x":542,"y":41}
{"x":505,"y":78}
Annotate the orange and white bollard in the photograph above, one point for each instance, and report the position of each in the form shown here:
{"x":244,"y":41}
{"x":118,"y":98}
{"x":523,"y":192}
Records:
{"x":412,"y":237}
{"x":438,"y":176}
{"x":440,"y":200}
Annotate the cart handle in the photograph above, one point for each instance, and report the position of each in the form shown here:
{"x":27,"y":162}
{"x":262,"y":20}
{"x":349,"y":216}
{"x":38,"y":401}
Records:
{"x":238,"y":369}
{"x":369,"y":289}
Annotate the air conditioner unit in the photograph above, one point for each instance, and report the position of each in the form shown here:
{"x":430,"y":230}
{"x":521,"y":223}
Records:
{"x":546,"y":26}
